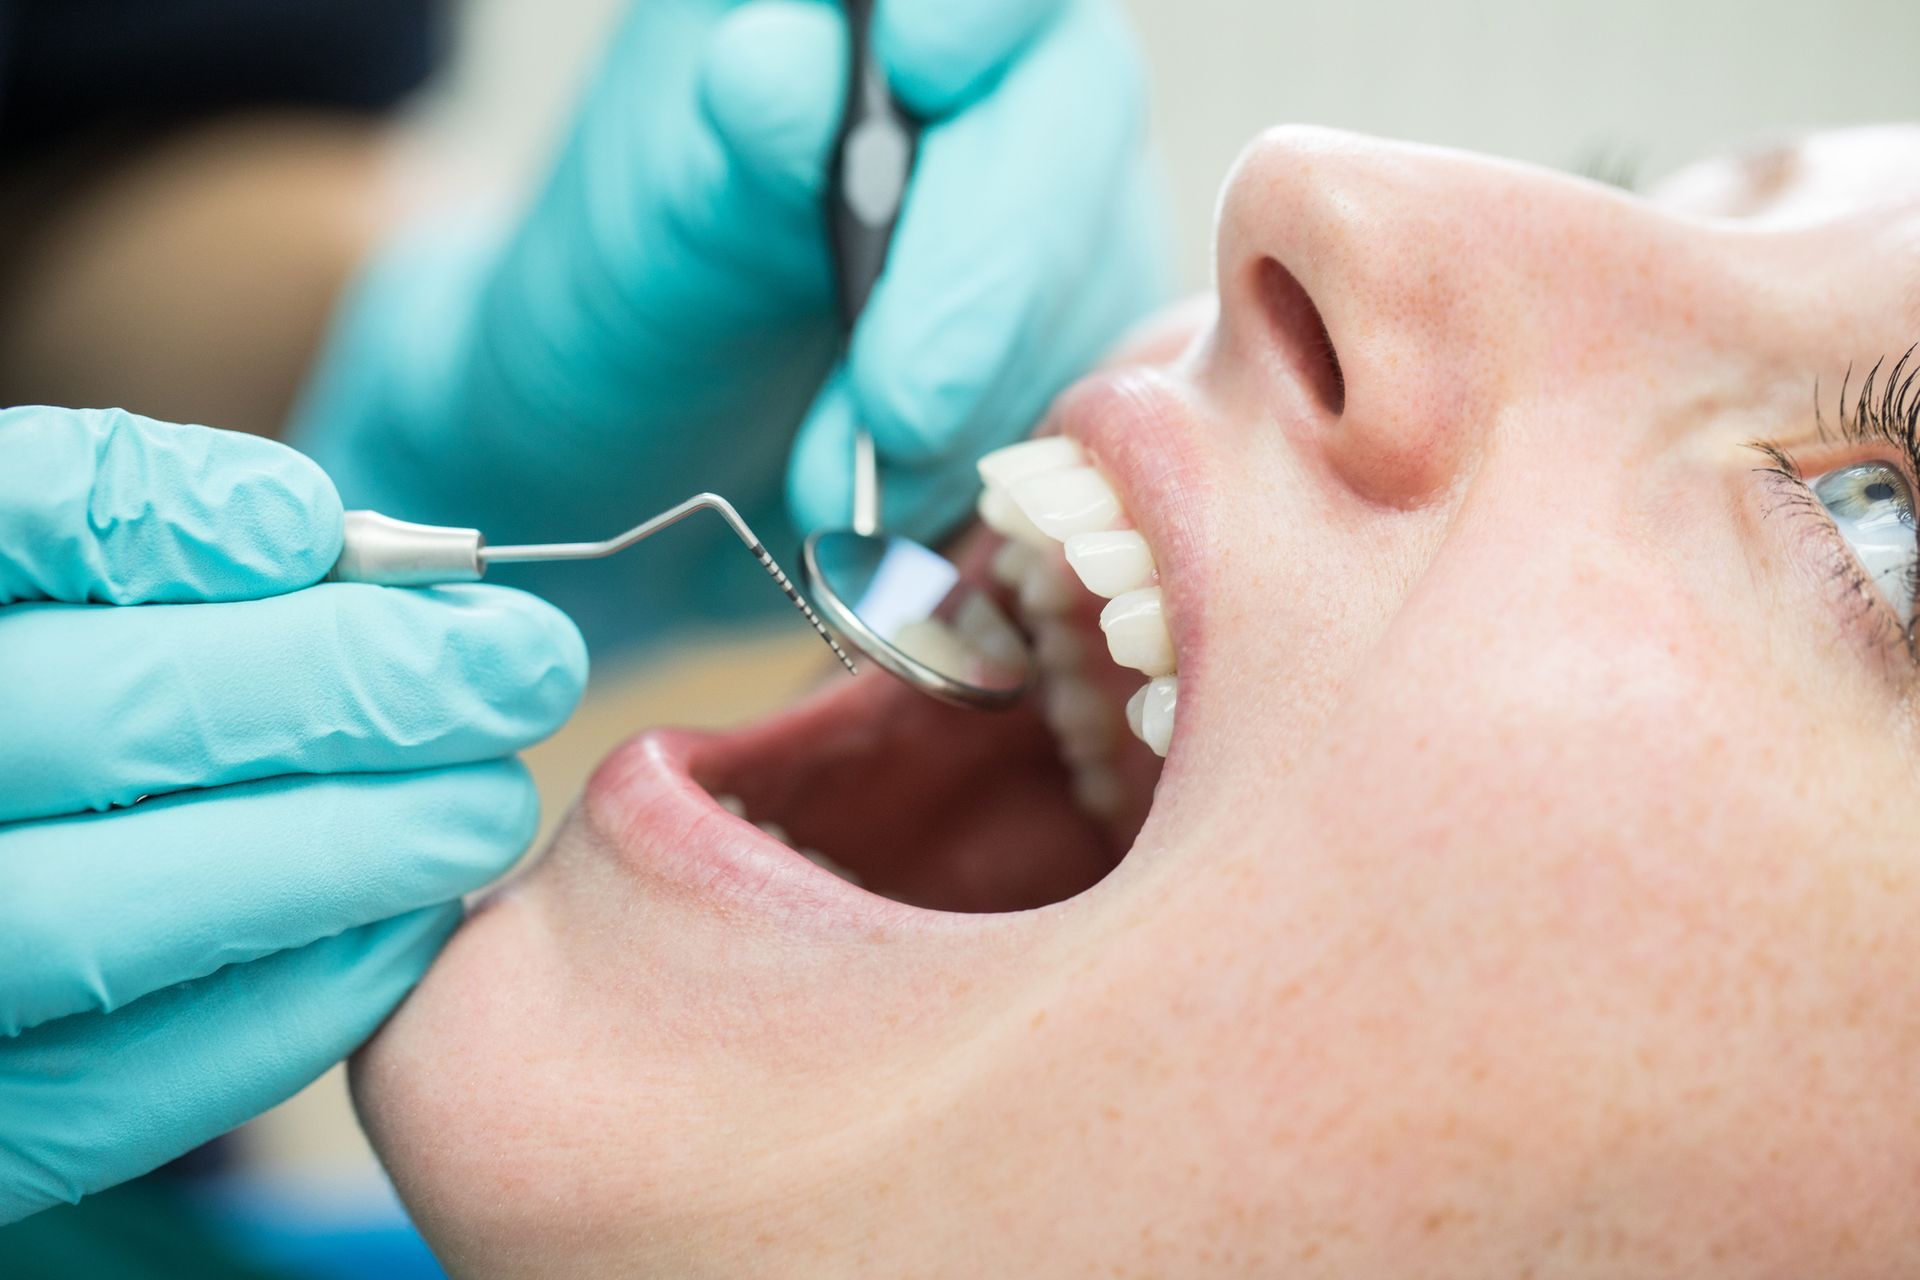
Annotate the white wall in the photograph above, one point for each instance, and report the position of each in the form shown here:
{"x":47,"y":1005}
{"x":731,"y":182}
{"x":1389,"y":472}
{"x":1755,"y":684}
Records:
{"x":1651,"y":82}
{"x":1646,"y":82}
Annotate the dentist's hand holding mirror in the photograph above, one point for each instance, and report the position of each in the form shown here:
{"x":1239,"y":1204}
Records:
{"x":666,"y":316}
{"x":905,"y":606}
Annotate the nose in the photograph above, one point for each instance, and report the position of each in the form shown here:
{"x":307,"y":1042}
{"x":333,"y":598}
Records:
{"x":1387,"y":297}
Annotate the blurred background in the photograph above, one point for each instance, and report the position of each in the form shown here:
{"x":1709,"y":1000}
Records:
{"x":1633,"y":85}
{"x":1625,"y":88}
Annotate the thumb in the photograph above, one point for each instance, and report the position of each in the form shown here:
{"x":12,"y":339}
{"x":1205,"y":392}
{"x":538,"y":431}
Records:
{"x":772,"y":87}
{"x":773,"y":82}
{"x":922,"y":501}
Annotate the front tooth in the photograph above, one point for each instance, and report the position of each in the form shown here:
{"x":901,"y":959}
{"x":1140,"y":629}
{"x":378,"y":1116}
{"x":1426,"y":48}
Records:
{"x":732,"y":804}
{"x":988,"y":634}
{"x":1111,"y":562}
{"x":1156,"y":712}
{"x":775,"y":830}
{"x":1046,"y":591}
{"x":1063,"y":503}
{"x":1000,"y":514}
{"x":1136,"y":627}
{"x":1003,"y":467}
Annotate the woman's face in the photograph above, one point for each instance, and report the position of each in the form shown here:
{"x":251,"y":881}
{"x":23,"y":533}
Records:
{"x":1530,"y":885}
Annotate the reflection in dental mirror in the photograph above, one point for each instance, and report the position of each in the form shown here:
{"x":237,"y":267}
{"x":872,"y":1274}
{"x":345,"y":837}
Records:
{"x":1872,"y":507}
{"x":909,"y":609}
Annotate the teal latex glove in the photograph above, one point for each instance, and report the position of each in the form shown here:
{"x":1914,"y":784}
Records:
{"x":661,"y":320}
{"x":325,"y":771}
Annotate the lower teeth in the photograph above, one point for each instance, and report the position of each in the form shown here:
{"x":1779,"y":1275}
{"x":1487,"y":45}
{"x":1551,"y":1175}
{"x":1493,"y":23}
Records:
{"x":738,"y":808}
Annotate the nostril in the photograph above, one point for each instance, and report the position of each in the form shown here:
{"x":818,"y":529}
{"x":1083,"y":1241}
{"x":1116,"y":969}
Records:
{"x":1301,"y":334}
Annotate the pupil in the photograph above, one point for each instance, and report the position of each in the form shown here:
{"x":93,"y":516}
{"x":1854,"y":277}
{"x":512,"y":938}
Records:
{"x":1879,"y":491}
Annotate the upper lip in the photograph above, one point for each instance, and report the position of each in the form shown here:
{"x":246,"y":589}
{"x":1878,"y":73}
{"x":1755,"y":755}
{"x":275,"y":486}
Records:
{"x":1146,"y":439}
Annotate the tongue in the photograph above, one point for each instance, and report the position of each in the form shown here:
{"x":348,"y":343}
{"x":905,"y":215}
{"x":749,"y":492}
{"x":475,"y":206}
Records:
{"x":932,"y":805}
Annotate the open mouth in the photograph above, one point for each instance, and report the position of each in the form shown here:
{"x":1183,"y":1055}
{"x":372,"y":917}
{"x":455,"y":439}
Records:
{"x":939,"y":807}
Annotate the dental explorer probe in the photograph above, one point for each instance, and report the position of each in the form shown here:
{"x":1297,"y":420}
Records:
{"x":398,"y":553}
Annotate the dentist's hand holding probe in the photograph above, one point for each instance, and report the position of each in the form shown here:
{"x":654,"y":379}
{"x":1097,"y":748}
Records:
{"x":237,"y":809}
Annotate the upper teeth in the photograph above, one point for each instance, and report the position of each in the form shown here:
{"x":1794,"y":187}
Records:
{"x":1150,"y":712}
{"x":1111,"y":561}
{"x":1041,"y":493}
{"x":1137,"y":636}
{"x":1069,"y":501}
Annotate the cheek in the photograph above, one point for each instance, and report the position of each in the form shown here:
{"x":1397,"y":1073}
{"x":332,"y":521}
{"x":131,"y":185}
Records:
{"x":1601,"y":909}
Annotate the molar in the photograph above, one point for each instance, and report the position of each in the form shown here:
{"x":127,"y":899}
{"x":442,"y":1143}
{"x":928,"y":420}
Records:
{"x":1045,"y":591}
{"x":1097,"y":789}
{"x":989,"y":634}
{"x":1010,"y":563}
{"x":1111,"y":562}
{"x":1057,"y":646}
{"x":1136,"y":628}
{"x":1079,"y":718}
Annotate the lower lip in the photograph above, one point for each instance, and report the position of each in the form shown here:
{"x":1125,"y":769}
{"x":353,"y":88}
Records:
{"x":646,"y":809}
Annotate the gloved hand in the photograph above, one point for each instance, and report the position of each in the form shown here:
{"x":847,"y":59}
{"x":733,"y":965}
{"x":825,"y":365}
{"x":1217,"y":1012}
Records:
{"x":324,"y":771}
{"x":661,"y":321}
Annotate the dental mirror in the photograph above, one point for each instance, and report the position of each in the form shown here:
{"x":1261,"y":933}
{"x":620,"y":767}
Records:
{"x":907,"y":607}
{"x":902,"y":604}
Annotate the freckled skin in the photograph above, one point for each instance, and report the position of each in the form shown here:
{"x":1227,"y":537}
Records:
{"x":1532,"y":892}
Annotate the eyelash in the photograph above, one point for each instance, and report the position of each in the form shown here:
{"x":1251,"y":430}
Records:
{"x":1887,"y":412}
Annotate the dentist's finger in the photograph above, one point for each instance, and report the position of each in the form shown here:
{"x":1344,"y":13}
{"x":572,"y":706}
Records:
{"x":115,"y":703}
{"x":773,"y":81}
{"x":1004,"y":280}
{"x":105,"y":506}
{"x":940,"y":56}
{"x":928,"y":496}
{"x":95,"y":1099}
{"x":986,"y":310}
{"x":100,"y":910}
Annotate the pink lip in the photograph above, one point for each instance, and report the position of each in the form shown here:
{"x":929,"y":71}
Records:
{"x":663,"y":826}
{"x":1146,"y":438}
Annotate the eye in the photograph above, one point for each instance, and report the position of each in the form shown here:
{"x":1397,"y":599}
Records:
{"x":1872,"y":506}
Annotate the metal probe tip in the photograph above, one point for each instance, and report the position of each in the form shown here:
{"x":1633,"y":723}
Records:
{"x":800,"y":603}
{"x":647,"y":528}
